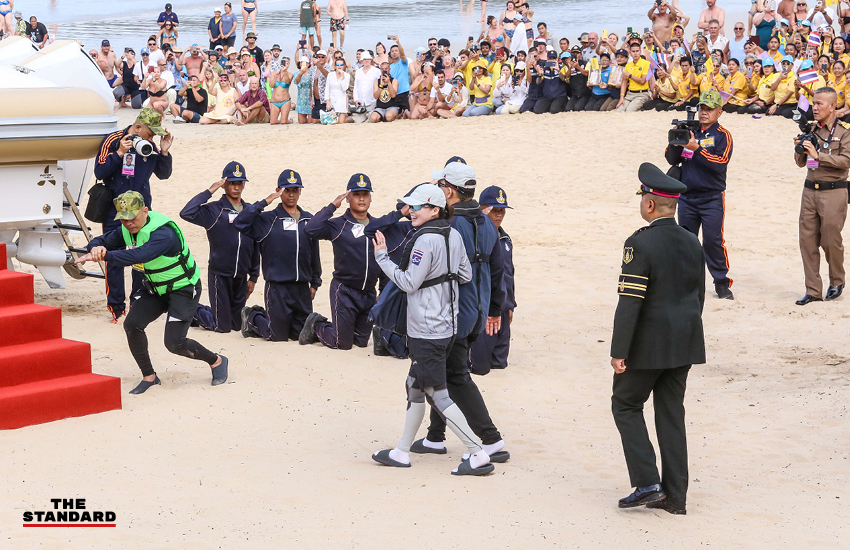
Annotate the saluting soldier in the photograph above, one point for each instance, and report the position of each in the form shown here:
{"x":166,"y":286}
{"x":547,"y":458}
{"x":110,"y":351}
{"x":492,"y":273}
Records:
{"x":290,"y":259}
{"x":657,"y":336}
{"x":234,"y":258}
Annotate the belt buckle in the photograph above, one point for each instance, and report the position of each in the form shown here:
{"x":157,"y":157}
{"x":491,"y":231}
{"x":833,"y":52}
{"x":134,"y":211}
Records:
{"x":817,"y":186}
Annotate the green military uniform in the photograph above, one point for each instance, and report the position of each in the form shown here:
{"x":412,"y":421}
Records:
{"x":658,"y":331}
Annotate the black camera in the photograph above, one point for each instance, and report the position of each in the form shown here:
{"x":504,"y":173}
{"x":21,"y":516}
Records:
{"x":807,"y":135}
{"x":681,"y":134}
{"x":515,"y":79}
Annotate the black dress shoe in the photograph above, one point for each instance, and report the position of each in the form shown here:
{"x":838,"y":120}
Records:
{"x":671,"y":506}
{"x":308,"y":333}
{"x":642,"y":496}
{"x":808,"y":298}
{"x":723,"y":292}
{"x":834,"y":292}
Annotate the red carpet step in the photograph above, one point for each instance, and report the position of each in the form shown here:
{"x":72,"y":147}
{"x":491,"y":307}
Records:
{"x":43,"y":377}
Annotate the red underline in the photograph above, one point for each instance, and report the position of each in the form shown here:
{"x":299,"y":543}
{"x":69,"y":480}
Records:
{"x":69,"y":525}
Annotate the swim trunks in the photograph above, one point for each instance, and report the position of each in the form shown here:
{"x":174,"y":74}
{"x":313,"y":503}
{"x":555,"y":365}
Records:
{"x":337,"y":25}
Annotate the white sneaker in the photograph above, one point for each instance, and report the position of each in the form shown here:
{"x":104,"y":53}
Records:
{"x":178,"y":120}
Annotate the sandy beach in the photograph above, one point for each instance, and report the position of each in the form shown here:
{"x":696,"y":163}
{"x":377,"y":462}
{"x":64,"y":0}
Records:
{"x":279,"y":457}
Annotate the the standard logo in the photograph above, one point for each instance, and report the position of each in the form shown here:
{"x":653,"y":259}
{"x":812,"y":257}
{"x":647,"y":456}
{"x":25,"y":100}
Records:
{"x":361,"y":183}
{"x":501,"y":198}
{"x":69,"y":512}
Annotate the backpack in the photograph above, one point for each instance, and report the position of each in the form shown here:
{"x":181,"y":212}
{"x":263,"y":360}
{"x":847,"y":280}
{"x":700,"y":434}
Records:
{"x":390,"y":312}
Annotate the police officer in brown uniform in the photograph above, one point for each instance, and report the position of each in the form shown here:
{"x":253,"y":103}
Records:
{"x":823,"y":208}
{"x":657,"y":336}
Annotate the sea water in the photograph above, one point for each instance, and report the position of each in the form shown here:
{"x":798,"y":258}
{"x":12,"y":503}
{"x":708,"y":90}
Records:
{"x":130,"y":22}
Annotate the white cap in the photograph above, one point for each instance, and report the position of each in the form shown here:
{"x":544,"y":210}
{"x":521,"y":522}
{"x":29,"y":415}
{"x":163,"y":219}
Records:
{"x":457,"y":174}
{"x":426,"y":194}
{"x":217,"y":10}
{"x":305,"y":59}
{"x":520,"y":66}
{"x":321,"y":52}
{"x":365,"y":55}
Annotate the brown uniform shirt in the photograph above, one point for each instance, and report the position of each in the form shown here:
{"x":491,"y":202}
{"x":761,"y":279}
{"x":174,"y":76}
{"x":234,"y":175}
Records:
{"x":833,"y":158}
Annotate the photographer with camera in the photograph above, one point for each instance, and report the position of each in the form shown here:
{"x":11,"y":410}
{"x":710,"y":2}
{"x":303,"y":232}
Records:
{"x":704,"y":149}
{"x":120,"y":174}
{"x":824,"y":149}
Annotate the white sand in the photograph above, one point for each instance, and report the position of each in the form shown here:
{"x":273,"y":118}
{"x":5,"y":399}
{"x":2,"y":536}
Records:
{"x":280,"y":456}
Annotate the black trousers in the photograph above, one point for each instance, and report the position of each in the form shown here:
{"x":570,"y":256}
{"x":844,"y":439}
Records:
{"x":115,"y":280}
{"x":690,"y":103}
{"x":227,"y":298}
{"x":631,"y":391}
{"x":287,"y":308}
{"x":181,"y":306}
{"x":527,"y":105}
{"x":786,"y":110}
{"x":595,"y":102}
{"x":657,"y":105}
{"x":465,"y":394}
{"x":730,"y":108}
{"x":578,"y":103}
{"x":350,"y":323}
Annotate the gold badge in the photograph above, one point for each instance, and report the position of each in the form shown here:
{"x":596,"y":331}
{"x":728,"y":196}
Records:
{"x":237,"y":172}
{"x":292,"y":177}
{"x":628,"y":254}
{"x":361,"y":183}
{"x":501,"y":198}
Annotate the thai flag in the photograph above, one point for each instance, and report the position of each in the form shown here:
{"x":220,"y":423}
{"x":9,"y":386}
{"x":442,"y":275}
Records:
{"x":807,"y":77}
{"x":814,"y":39}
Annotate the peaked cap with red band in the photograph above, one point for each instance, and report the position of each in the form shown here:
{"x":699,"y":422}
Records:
{"x":656,"y":182}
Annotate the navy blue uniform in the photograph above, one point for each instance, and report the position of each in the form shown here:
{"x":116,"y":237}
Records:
{"x":483,"y":296}
{"x":234,"y":260}
{"x":352,"y":290}
{"x":110,"y":169}
{"x":491,"y":352}
{"x":704,"y":203}
{"x":291,"y":266}
{"x":396,"y":235}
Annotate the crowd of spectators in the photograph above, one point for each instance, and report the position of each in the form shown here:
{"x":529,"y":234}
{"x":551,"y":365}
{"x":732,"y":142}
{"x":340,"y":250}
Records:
{"x":515,"y":65}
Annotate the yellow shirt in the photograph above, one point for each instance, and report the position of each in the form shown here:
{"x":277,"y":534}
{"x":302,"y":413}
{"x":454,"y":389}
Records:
{"x":754,"y":80}
{"x":467,"y":72}
{"x":764,"y":92}
{"x":669,"y":87}
{"x":684,"y":87}
{"x":705,"y":83}
{"x":840,"y":86}
{"x":639,"y":69}
{"x":785,"y":86}
{"x":814,"y":87}
{"x":479,"y":98}
{"x":739,"y":81}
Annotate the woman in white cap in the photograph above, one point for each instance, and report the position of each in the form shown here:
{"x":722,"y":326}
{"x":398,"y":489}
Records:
{"x":434,"y":262}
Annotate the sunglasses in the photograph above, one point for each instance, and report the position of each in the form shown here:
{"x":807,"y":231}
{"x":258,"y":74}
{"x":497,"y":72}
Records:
{"x":739,"y":28}
{"x":340,"y":65}
{"x":418,"y":207}
{"x":432,"y":44}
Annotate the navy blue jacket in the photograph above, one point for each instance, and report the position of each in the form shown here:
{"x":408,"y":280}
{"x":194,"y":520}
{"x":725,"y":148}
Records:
{"x":508,"y":276}
{"x":162,"y":242}
{"x":231,"y":253}
{"x":108,"y":167}
{"x":280,"y":240}
{"x":483,"y":296}
{"x":704,"y":173}
{"x":354,"y":256}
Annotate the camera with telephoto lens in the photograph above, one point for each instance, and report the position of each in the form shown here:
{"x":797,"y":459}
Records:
{"x":142,"y":146}
{"x":807,"y":135}
{"x":681,"y":134}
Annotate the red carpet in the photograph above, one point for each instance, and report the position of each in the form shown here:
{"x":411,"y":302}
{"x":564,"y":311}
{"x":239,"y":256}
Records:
{"x":43,"y":377}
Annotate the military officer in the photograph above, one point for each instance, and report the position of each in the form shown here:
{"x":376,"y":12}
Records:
{"x":234,"y":258}
{"x":658,"y":335}
{"x":154,"y":244}
{"x":491,"y":352}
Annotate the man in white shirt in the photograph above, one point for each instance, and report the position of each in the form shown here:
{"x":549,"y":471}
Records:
{"x":144,"y":66}
{"x":156,"y":51}
{"x":242,"y":85}
{"x":440,"y":94}
{"x":364,"y":83}
{"x":819,"y":17}
{"x":716,"y":41}
{"x":735,"y":47}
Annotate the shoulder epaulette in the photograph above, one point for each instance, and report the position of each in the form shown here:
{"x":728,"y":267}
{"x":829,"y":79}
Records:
{"x":844,"y":125}
{"x":641,"y":229}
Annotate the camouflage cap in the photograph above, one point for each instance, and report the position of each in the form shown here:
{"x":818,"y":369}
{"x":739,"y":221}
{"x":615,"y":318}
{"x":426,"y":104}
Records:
{"x":152,"y":120}
{"x":710,"y":99}
{"x":128,"y":205}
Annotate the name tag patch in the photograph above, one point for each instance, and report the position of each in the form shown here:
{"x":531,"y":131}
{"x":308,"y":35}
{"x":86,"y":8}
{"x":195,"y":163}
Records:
{"x":416,"y":257}
{"x":687,"y":153}
{"x":811,"y":163}
{"x":358,"y":230}
{"x":232,"y":216}
{"x":290,"y":224}
{"x":707,"y":142}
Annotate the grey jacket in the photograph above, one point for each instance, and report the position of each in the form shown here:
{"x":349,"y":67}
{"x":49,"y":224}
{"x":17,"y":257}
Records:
{"x":429,"y":310}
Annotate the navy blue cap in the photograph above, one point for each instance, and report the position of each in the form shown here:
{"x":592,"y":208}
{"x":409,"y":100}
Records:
{"x":359,"y":182}
{"x":494,"y":196}
{"x":234,"y":171}
{"x":104,"y":43}
{"x":454,"y":159}
{"x":289,"y":178}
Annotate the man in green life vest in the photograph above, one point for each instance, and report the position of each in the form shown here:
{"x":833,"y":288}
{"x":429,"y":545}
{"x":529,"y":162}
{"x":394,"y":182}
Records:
{"x":153,"y":244}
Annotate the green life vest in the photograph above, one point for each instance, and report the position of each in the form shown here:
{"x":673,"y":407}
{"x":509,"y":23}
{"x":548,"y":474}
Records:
{"x":165,"y":273}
